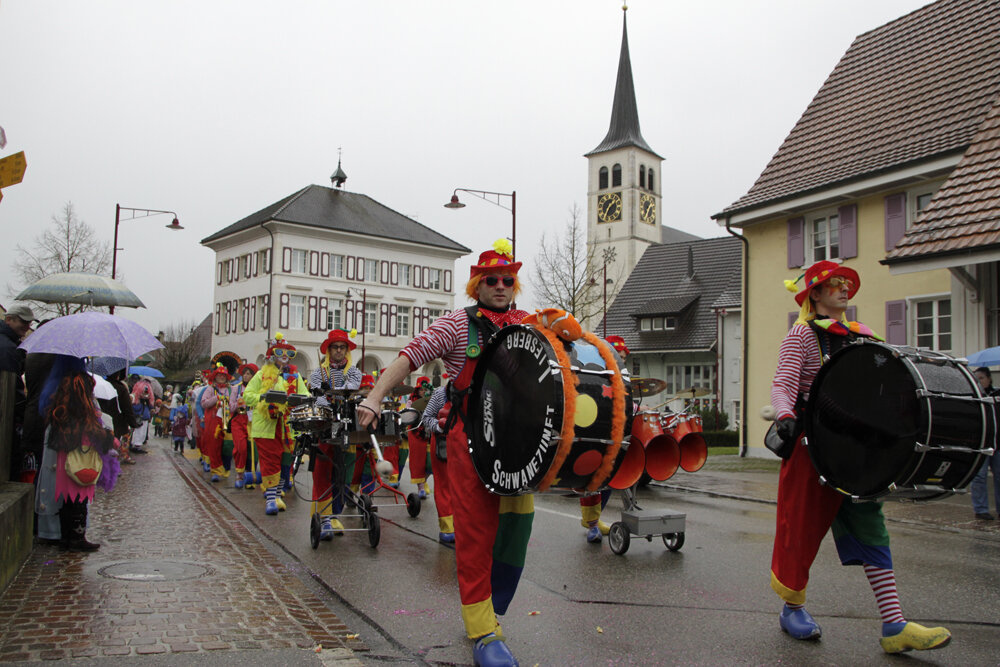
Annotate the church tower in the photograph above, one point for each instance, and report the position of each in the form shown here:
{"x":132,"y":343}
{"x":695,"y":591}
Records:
{"x":624,"y":184}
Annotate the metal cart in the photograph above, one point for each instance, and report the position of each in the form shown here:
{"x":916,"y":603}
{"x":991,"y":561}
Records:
{"x":645,"y":523}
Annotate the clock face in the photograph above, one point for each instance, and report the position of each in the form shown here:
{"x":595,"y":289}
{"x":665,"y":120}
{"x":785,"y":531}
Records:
{"x":609,"y":207}
{"x":647,"y":209}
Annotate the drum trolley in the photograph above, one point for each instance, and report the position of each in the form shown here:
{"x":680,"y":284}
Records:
{"x":645,"y":523}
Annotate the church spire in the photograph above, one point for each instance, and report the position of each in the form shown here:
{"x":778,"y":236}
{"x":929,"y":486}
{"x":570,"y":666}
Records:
{"x":624,"y":130}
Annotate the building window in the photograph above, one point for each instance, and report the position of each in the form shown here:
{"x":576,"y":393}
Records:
{"x":664,"y":323}
{"x":336,"y":266}
{"x":433,"y":314}
{"x":679,"y":378}
{"x":824,"y":237}
{"x":645,"y":324}
{"x":402,"y":320}
{"x":296,"y":311}
{"x":434,"y":279}
{"x":334,"y":314}
{"x":737,"y":415}
{"x":371,"y":270}
{"x":933,"y":325}
{"x":371,"y":314}
{"x":635,"y":367}
{"x":616,"y":175}
{"x":300,"y":259}
{"x":244,"y":262}
{"x":649,"y":180}
{"x":404,"y":274}
{"x":262,"y":266}
{"x":642,"y":176}
{"x":602,"y":179}
{"x":917,"y":199}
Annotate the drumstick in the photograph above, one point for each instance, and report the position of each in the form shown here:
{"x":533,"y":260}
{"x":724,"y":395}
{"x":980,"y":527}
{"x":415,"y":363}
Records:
{"x":382,"y":467}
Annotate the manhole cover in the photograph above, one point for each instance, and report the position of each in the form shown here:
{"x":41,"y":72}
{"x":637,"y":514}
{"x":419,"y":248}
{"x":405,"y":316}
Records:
{"x":154,"y":570}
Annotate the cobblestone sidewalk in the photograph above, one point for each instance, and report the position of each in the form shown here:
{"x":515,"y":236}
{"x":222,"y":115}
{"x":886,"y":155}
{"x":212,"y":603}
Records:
{"x":176,"y":573}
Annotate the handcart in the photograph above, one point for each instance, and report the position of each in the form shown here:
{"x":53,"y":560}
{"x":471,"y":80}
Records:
{"x":372,"y":442}
{"x":645,"y":523}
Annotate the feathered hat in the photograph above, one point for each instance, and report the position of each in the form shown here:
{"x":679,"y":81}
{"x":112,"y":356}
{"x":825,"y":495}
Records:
{"x":819,"y":273}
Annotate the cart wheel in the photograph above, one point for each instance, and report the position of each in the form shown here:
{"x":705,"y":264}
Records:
{"x":374,"y":530}
{"x":618,"y":538}
{"x":366,"y":503}
{"x":314,"y":527}
{"x":413,"y":505}
{"x":673,"y":541}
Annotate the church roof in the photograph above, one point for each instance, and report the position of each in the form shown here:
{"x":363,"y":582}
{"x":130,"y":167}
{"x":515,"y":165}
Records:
{"x":624,"y":130}
{"x":674,"y":235}
{"x":339,"y":210}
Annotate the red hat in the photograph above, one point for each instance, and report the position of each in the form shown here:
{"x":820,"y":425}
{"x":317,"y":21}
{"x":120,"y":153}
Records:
{"x":367,"y":380}
{"x":247,"y":367}
{"x":279,"y":344}
{"x":618,"y":343}
{"x":423,"y":379}
{"x":822,"y":271}
{"x":337,"y":336}
{"x":217,"y":371}
{"x":500,"y":259}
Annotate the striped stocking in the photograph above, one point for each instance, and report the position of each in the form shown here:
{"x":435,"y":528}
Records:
{"x":883,"y":583}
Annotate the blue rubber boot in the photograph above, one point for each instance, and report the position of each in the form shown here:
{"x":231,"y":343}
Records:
{"x":799,"y":623}
{"x":326,"y":530}
{"x":215,"y":478}
{"x":286,"y":478}
{"x":248,"y":480}
{"x":594,"y":535}
{"x":205,"y":467}
{"x":446,"y":538}
{"x":491,"y":651}
{"x":239,"y":481}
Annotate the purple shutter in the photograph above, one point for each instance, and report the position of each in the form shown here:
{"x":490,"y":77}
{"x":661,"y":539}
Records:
{"x":286,"y":260}
{"x":895,"y":322}
{"x":792,"y":317}
{"x":895,"y":219}
{"x":324,"y":307}
{"x":394,"y":273}
{"x":848,"y":217}
{"x":324,"y":265}
{"x":312,"y":322}
{"x":384,"y":277}
{"x":218,"y":311}
{"x":447,"y":280}
{"x":253,"y":313}
{"x":852,"y":313}
{"x":314,"y":262}
{"x":283,"y":310}
{"x":796,"y":243}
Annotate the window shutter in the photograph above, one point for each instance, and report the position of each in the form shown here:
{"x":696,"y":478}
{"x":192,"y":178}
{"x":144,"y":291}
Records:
{"x":266,"y":301}
{"x":324,"y":265}
{"x":229,"y":270}
{"x":312,"y":322}
{"x":359,"y":270}
{"x":425,"y":279}
{"x":848,"y":217}
{"x":895,"y":322}
{"x":895,"y":219}
{"x":248,"y":267}
{"x":792,"y":317}
{"x":348,"y":268}
{"x":254,"y":268}
{"x":796,"y":243}
{"x":218,"y":274}
{"x":383,"y":319}
{"x":286,"y":260}
{"x":349,"y":314}
{"x":447,"y":280}
{"x":324,"y":306}
{"x":384,"y":277}
{"x":394,"y":273}
{"x":253,"y":313}
{"x":283,"y":310}
{"x":314,"y":262}
{"x":416,"y":275}
{"x":218,"y":312}
{"x":268,"y":267}
{"x":236,"y":316}
{"x":852,"y":313}
{"x":392,"y":319}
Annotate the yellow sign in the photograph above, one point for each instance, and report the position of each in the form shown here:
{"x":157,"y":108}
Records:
{"x":12,"y":169}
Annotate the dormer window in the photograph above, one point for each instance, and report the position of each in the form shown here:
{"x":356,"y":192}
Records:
{"x":616,"y":175}
{"x":602,"y":179}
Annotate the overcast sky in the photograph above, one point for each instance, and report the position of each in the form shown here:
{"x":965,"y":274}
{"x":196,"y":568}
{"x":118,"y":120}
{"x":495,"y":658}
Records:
{"x":218,"y":109}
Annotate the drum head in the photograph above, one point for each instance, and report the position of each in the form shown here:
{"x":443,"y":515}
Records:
{"x":863,"y":419}
{"x":515,"y":411}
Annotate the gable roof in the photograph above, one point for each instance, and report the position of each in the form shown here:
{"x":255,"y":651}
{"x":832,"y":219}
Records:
{"x":329,"y":208}
{"x":674,"y":235}
{"x":624,"y":130}
{"x":912,"y":90}
{"x":964,"y":213}
{"x":660,"y":284}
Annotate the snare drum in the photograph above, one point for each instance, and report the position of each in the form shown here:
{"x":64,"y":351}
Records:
{"x":310,"y":417}
{"x":517,"y":409}
{"x":409,"y":418}
{"x":884,"y":420}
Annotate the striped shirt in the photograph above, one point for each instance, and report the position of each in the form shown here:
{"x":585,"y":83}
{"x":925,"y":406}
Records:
{"x":335,"y":378}
{"x":429,"y":420}
{"x":798,"y":363}
{"x":448,"y":337}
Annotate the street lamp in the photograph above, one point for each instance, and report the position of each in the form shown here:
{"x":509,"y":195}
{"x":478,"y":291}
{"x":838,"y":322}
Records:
{"x":136,"y":213}
{"x":609,"y":258}
{"x":364,"y":315}
{"x":493,"y":198}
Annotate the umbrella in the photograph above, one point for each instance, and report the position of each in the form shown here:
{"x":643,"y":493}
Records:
{"x":91,"y":334}
{"x":85,"y":288}
{"x":988,"y":357}
{"x":103,"y":388}
{"x":107,"y":365}
{"x":145,"y":370}
{"x":157,"y":387}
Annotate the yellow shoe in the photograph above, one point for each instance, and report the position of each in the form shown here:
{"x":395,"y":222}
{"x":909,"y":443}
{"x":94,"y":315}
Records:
{"x":338,"y":528}
{"x":605,"y":528}
{"x":281,"y":504}
{"x":915,"y":636}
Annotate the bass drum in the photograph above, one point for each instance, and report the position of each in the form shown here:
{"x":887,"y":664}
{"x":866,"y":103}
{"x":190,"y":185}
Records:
{"x":517,"y":412}
{"x":884,"y":420}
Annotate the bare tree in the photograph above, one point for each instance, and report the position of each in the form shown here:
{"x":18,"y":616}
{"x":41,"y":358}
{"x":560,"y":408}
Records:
{"x":181,"y":350}
{"x":68,"y":244}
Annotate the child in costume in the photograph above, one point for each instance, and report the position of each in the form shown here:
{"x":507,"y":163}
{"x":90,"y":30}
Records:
{"x":269,"y":429}
{"x":178,"y":429}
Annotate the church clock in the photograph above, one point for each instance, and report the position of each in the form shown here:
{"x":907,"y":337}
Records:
{"x":647,"y":209}
{"x":609,"y":207}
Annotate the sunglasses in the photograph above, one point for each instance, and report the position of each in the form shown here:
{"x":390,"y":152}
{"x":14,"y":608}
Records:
{"x":838,"y":281}
{"x":491,"y":281}
{"x":338,"y":347}
{"x":282,"y":352}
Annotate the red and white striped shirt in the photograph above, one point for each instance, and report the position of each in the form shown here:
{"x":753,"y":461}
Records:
{"x":799,"y":360}
{"x":448,"y":337}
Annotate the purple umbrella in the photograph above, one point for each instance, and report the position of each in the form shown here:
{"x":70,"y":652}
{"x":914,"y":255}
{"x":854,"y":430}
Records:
{"x":92,"y":334}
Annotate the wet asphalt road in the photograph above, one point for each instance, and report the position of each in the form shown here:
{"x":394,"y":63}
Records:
{"x":708,"y":604}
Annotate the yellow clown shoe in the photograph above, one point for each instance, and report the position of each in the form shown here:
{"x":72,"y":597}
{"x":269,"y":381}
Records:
{"x":281,"y":504}
{"x":912,"y":636}
{"x":603,"y":527}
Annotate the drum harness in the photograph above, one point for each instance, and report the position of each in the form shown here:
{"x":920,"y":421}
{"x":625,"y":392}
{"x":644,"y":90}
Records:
{"x":456,"y":397}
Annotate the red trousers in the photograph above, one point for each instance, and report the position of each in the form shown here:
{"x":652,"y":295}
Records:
{"x":269,"y":451}
{"x":211,"y":442}
{"x":418,"y":455}
{"x":442,"y":493}
{"x":238,"y":425}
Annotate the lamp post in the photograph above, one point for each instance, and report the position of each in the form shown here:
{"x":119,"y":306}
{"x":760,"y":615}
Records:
{"x":493,"y":198}
{"x":136,"y":213}
{"x":609,"y":258}
{"x":364,"y":327}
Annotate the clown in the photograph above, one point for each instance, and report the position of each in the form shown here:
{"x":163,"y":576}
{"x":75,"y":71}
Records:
{"x":807,"y":509}
{"x":215,"y":404}
{"x":487,"y":577}
{"x":269,"y":428}
{"x":336,"y":372}
{"x":243,"y":458}
{"x":417,"y":438}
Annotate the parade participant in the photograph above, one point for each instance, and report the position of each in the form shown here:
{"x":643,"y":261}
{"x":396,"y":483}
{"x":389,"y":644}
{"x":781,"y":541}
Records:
{"x":143,"y":399}
{"x":417,"y":438}
{"x":336,"y":372}
{"x":487,"y":580}
{"x":215,"y":404}
{"x":199,"y":420}
{"x":807,"y":509}
{"x":269,"y":429}
{"x":178,"y":428}
{"x":238,"y":424}
{"x":292,"y":378}
{"x":434,"y":434}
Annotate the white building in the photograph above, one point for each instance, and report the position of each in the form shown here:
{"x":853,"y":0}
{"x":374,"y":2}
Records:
{"x":323,"y":258}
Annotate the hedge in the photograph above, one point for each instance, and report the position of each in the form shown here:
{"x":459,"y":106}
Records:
{"x":721,"y":438}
